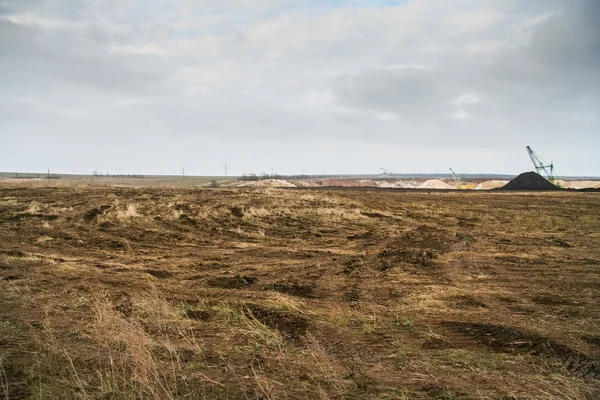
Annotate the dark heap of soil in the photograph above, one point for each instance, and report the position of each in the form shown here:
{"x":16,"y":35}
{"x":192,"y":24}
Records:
{"x":529,"y":181}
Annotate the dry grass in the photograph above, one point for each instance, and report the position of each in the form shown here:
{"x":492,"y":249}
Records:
{"x":154,"y":293}
{"x":128,"y":213}
{"x":3,"y":380}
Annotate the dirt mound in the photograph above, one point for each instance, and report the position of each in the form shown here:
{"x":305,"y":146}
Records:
{"x":160,"y":274}
{"x":294,"y":289}
{"x":272,"y":183}
{"x":434,"y":184}
{"x":92,"y":215}
{"x":348,"y":182}
{"x":529,"y":181}
{"x":290,"y":326}
{"x":579,"y":184}
{"x":509,"y":340}
{"x":415,"y":249}
{"x":466,"y":301}
{"x":232,"y":282}
{"x":304,"y":183}
{"x":396,"y":184}
{"x":386,"y":184}
{"x":265,"y":183}
{"x":488,"y":185}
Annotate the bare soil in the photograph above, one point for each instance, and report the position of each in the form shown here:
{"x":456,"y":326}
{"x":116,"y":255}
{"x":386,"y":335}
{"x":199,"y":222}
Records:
{"x":122,"y":293}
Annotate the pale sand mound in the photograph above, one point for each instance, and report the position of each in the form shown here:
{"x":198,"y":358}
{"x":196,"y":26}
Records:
{"x":18,"y":180}
{"x":349,"y":182}
{"x":579,"y":184}
{"x":386,"y":184}
{"x":487,"y":185}
{"x":396,"y":184}
{"x":304,"y":183}
{"x":268,"y":183}
{"x":434,"y":184}
{"x":274,"y":183}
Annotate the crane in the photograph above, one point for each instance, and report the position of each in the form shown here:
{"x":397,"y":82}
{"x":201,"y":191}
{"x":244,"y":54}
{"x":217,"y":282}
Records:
{"x":542,"y":167}
{"x":460,"y":182}
{"x":457,"y":179}
{"x":411,"y":182}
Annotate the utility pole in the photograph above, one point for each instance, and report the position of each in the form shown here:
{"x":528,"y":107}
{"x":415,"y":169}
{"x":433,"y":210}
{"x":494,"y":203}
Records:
{"x":225,"y":169}
{"x":183,"y":172}
{"x":48,"y":173}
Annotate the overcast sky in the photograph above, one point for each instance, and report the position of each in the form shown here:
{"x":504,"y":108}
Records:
{"x":313,"y":86}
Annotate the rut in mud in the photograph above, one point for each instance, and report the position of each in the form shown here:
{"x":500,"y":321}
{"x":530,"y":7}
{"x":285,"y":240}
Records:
{"x":505,"y":339}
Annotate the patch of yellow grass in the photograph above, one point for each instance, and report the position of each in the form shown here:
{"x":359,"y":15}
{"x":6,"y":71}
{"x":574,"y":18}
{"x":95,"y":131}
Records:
{"x":34,"y":208}
{"x":130,"y":212}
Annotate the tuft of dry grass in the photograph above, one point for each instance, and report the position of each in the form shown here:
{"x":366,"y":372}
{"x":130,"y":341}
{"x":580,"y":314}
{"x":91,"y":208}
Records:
{"x":129,"y":212}
{"x":3,"y":380}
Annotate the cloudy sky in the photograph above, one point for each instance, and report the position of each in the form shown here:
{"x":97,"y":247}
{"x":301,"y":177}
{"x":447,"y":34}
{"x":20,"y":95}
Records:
{"x":313,"y":86}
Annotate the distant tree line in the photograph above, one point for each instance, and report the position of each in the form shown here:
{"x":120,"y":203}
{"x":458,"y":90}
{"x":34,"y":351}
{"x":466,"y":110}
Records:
{"x":19,"y":176}
{"x":263,"y":176}
{"x":37,"y":176}
{"x":107,"y":175}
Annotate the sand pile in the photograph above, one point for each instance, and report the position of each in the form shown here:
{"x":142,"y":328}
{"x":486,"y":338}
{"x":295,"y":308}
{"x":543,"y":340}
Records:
{"x":304,"y":183}
{"x":434,"y":184}
{"x":529,"y":181}
{"x":488,"y":185}
{"x":349,"y":182}
{"x":268,"y":183}
{"x":579,"y":184}
{"x":386,"y":184}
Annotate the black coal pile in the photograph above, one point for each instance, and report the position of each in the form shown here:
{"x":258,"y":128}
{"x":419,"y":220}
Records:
{"x":529,"y":181}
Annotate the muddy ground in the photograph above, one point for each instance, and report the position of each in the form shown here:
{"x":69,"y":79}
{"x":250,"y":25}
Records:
{"x":118,"y":293}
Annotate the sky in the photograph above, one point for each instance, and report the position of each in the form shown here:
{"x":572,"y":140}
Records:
{"x":299,"y":86}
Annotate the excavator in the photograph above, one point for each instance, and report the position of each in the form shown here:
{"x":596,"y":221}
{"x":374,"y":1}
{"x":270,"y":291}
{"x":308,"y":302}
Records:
{"x":542,"y":167}
{"x":407,"y":182}
{"x":460,"y":182}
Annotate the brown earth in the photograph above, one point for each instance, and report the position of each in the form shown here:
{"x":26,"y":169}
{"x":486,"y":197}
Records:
{"x":118,"y":293}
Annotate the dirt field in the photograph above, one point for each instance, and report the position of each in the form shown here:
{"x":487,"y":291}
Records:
{"x":123,"y":293}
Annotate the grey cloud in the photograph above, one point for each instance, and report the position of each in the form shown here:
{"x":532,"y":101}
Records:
{"x":72,"y":57}
{"x":395,"y":89}
{"x":563,"y":53}
{"x":181,"y":73}
{"x":557,"y":68}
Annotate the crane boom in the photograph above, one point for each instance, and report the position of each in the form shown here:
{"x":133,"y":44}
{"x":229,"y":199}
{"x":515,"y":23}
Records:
{"x":457,"y":179}
{"x":542,"y":167}
{"x":410,"y":182}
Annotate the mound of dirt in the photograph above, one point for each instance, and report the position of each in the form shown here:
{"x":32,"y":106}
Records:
{"x":509,"y":340}
{"x":386,"y":184}
{"x":396,"y":184}
{"x":434,"y":184}
{"x":290,"y":326}
{"x":579,"y":184}
{"x":304,"y":183}
{"x":488,"y":185}
{"x":233,"y":282}
{"x":529,"y":181}
{"x":348,"y":182}
{"x":268,"y":183}
{"x":277,"y":183}
{"x":294,"y":289}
